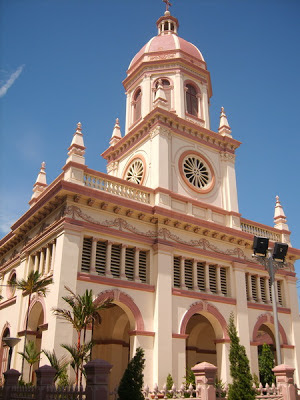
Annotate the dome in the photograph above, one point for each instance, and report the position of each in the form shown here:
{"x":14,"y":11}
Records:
{"x":167,"y":41}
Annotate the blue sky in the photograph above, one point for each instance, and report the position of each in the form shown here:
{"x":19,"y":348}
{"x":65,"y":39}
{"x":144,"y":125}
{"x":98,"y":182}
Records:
{"x":63,"y":61}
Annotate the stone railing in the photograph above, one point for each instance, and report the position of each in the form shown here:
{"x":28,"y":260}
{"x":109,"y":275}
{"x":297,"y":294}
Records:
{"x":129,"y":191}
{"x":257,"y":230}
{"x":205,"y":386}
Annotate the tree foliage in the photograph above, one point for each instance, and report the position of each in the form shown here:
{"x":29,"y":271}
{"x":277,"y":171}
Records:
{"x":265,"y":365}
{"x":34,"y":283}
{"x":241,"y":387}
{"x":131,"y":385}
{"x":59,"y":364}
{"x":31,"y":355}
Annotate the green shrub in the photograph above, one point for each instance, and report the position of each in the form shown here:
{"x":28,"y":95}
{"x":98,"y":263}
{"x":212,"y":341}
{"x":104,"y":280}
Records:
{"x":131,"y":385}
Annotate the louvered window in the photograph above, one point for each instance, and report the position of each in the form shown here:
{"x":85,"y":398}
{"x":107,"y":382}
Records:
{"x":115,"y":260}
{"x":176,"y":272}
{"x":101,"y":258}
{"x":86,"y":254}
{"x":143,"y":266}
{"x":212,"y":279}
{"x":223,"y":276}
{"x":188,"y":273}
{"x":254,"y":287}
{"x":279,"y":292}
{"x":201,"y":276}
{"x":263,"y":289}
{"x":129,"y":263}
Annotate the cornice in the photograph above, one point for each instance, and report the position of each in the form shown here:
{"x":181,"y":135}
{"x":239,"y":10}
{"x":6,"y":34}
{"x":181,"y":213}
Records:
{"x":176,"y":125}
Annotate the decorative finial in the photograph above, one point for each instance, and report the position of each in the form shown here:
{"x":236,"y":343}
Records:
{"x":168,"y":4}
{"x":224,"y":128}
{"x":79,"y":126}
{"x":77,"y":148}
{"x":279,"y":216}
{"x":40,"y":184}
{"x":116,"y":134}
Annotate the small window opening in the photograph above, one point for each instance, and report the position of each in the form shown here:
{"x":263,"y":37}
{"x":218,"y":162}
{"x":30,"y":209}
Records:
{"x":191,"y":100}
{"x":166,"y":28}
{"x":137,"y":105}
{"x":172,"y":27}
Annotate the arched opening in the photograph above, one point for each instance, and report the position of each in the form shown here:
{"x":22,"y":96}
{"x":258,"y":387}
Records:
{"x":112,"y":341}
{"x":137,"y":105}
{"x":191,"y":100}
{"x":34,"y":333}
{"x":4,"y":353}
{"x":200,"y":344}
{"x":265,"y":335}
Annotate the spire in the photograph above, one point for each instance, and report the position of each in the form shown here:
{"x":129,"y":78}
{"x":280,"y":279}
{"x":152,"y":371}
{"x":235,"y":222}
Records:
{"x":279,"y":216}
{"x":40,"y":184}
{"x":116,"y":134}
{"x":224,"y":128}
{"x":77,"y":148}
{"x":167,"y":24}
{"x":160,"y":96}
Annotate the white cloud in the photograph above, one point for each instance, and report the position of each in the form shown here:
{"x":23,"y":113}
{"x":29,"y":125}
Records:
{"x":10,"y":81}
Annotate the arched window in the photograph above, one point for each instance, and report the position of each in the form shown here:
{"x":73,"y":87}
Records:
{"x":137,"y":103}
{"x":167,"y":89}
{"x":191,"y":100}
{"x":4,"y":352}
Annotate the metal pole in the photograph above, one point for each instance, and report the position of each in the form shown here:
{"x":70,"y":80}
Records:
{"x":9,"y":358}
{"x":275,"y":314}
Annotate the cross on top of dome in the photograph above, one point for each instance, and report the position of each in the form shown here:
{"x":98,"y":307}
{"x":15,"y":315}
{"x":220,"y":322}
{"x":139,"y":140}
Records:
{"x":168,"y":4}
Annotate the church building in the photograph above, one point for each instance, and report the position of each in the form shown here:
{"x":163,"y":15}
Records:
{"x":160,"y":234}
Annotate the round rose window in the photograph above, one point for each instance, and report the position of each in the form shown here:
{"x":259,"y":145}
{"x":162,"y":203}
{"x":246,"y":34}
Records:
{"x":196,"y":171}
{"x":135,"y":171}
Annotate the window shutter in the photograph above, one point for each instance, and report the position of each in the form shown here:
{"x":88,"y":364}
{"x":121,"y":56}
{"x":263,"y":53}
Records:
{"x":176,"y":275}
{"x":115,"y":260}
{"x":263,"y":289}
{"x":212,"y":279}
{"x":254,"y":287}
{"x":129,"y":263}
{"x":201,"y":276}
{"x":223,"y":275}
{"x":86,"y":255}
{"x":143,"y":266}
{"x":279,"y":292}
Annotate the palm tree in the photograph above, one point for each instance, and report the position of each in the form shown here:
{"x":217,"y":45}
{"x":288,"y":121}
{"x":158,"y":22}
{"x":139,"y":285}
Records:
{"x":33,"y":284}
{"x":31,"y":355}
{"x":79,"y":356}
{"x":83,"y":313}
{"x":59,"y":364}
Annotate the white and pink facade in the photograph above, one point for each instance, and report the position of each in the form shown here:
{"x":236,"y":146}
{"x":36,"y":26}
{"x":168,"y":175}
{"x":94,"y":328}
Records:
{"x":160,"y":234}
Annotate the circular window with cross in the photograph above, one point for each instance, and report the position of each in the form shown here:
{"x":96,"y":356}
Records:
{"x":135,"y":171}
{"x":196,"y":171}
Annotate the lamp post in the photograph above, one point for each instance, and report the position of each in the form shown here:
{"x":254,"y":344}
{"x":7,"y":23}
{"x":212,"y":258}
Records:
{"x":10,"y":342}
{"x":272,"y":261}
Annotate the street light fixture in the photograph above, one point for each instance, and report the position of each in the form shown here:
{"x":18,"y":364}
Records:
{"x":272,"y":261}
{"x":10,"y":342}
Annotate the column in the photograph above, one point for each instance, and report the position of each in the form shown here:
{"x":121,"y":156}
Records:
{"x":42,"y":260}
{"x":108,"y":273}
{"x":195,"y":276}
{"x":36,"y":261}
{"x":267,"y":291}
{"x":218,"y":280}
{"x":93,"y":257}
{"x":53,"y":256}
{"x":162,"y":321}
{"x":258,"y":289}
{"x":47,"y":262}
{"x":206,"y":277}
{"x":136,"y":265}
{"x":222,"y":348}
{"x":122,"y":263}
{"x":182,"y":273}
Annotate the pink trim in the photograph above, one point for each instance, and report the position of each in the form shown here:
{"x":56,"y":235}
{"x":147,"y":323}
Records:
{"x":267,"y":318}
{"x":203,"y":296}
{"x":221,"y":341}
{"x":85,"y":277}
{"x":6,"y":326}
{"x":34,"y":301}
{"x":141,"y":333}
{"x":201,"y":307}
{"x":212,"y":182}
{"x":121,"y":297}
{"x":8,"y":302}
{"x":267,"y":307}
{"x":179,"y":336}
{"x":287,"y":346}
{"x":9,"y":290}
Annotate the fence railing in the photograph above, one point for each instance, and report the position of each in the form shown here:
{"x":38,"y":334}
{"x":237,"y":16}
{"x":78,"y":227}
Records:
{"x":118,"y":188}
{"x":257,"y":230}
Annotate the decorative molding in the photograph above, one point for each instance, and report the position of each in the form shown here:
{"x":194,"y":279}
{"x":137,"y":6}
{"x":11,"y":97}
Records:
{"x":120,"y":224}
